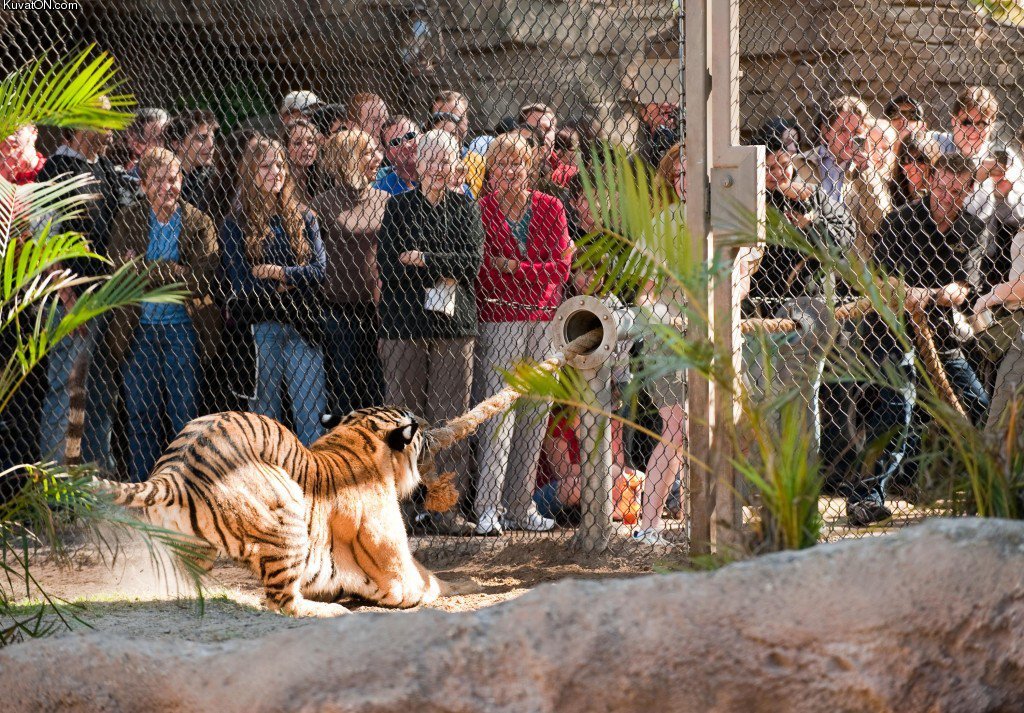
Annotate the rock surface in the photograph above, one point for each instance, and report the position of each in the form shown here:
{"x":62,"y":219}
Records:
{"x":930,"y":619}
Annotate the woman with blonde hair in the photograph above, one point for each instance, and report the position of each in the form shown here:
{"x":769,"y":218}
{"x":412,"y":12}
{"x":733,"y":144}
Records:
{"x":275,"y":261}
{"x":350,"y":216}
{"x":526,"y":264}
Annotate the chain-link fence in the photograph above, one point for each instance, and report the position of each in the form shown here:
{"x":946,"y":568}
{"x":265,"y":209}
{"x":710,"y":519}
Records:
{"x":379,"y":201}
{"x":892,"y":134}
{"x":378,"y":205}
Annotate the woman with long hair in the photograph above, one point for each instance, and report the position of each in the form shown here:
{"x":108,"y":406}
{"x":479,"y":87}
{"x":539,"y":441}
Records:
{"x":350,"y":215}
{"x":668,"y":391}
{"x":275,"y":260}
{"x":303,"y":159}
{"x":526,"y":264}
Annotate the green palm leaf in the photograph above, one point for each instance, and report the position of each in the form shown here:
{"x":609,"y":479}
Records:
{"x":24,"y":208}
{"x":65,"y":93}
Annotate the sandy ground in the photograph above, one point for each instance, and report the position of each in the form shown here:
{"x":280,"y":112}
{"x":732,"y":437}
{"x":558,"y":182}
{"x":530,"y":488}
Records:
{"x":140,"y":596}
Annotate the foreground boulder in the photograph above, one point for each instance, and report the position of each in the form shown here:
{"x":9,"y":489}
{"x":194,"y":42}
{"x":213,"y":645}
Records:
{"x":931,"y":619}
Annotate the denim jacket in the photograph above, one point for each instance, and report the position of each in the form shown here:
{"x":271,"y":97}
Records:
{"x":255,"y":300}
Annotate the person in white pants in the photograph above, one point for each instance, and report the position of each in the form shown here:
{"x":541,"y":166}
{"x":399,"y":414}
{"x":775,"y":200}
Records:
{"x":527,"y":253}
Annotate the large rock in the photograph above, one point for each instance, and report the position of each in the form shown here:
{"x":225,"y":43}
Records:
{"x":931,"y":619}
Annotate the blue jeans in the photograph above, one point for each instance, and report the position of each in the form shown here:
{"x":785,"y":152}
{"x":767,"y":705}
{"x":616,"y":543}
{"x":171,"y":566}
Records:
{"x":355,"y":375}
{"x":283,"y":356}
{"x":101,"y":391}
{"x":159,"y":377}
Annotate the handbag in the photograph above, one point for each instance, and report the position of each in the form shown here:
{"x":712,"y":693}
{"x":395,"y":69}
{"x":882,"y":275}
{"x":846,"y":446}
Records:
{"x":996,"y":329}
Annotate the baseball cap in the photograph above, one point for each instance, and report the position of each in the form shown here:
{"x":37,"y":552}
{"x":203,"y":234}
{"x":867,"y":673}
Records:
{"x":302,"y":100}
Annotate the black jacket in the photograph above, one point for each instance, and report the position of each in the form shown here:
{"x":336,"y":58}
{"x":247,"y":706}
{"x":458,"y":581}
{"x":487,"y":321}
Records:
{"x":785,"y":273}
{"x":451,"y":237}
{"x":113,"y":189}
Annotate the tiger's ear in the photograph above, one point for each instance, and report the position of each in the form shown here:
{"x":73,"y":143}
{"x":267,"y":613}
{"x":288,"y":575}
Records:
{"x":330,"y":420}
{"x":400,"y":438}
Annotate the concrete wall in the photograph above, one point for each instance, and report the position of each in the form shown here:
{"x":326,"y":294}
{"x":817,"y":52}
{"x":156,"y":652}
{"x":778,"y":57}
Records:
{"x":572,"y":55}
{"x":585,"y":57}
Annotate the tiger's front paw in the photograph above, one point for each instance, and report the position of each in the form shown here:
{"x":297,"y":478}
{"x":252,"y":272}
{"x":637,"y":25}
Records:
{"x":394,"y":595}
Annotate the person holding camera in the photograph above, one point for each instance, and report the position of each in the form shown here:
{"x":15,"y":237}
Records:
{"x":848,"y":164}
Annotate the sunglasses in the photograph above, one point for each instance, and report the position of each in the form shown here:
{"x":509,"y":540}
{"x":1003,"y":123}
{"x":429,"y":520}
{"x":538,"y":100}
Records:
{"x":977,"y":124}
{"x":399,"y":140}
{"x":445,"y":116}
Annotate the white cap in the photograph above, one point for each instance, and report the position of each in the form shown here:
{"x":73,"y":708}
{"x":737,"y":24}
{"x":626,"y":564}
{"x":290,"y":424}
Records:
{"x":480,"y":144}
{"x":303,"y":100}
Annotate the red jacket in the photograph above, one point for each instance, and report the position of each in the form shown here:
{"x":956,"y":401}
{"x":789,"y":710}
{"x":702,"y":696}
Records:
{"x":30,"y":175}
{"x":543,"y":268}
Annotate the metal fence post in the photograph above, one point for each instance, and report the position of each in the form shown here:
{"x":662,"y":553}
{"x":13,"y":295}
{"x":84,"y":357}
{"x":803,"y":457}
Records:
{"x":596,"y":528}
{"x":725,"y":179}
{"x":737,"y":191}
{"x":697,"y":90}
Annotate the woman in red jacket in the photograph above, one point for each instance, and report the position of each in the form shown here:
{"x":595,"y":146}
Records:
{"x":526,"y":263}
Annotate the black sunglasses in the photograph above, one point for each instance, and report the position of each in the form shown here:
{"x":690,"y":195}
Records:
{"x":399,"y":140}
{"x":445,"y":116}
{"x":977,"y":124}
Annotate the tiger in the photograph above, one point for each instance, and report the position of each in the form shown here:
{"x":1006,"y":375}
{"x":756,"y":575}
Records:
{"x":310,"y":523}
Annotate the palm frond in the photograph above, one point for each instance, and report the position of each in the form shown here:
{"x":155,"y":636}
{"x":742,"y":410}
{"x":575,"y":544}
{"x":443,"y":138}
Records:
{"x":641,"y":238}
{"x":47,"y":499}
{"x":27,"y":209}
{"x":64,"y":93}
{"x":126,"y":287}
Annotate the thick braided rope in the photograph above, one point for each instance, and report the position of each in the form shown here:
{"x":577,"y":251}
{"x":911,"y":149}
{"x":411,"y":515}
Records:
{"x":923,"y":338}
{"x":930,"y":356}
{"x":781,"y":325}
{"x":460,"y":427}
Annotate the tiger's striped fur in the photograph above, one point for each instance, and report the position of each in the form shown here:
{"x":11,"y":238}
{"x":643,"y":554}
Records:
{"x":310,"y":523}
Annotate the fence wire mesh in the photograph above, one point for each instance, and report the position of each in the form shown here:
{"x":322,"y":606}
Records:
{"x":378,"y":202}
{"x":892,"y":132}
{"x":392,"y":192}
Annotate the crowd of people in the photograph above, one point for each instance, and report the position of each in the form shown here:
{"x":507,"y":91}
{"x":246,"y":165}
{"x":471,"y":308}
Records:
{"x":334,"y":257}
{"x":341,"y":256}
{"x":939,"y":209}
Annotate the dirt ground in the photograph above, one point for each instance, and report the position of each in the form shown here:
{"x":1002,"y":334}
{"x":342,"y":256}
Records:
{"x":138,"y":595}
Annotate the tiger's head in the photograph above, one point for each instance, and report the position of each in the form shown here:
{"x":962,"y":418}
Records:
{"x":400,"y":432}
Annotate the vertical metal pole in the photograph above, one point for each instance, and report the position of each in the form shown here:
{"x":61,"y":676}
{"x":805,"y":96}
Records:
{"x":596,"y":529}
{"x":730,"y":185}
{"x":697,"y":89}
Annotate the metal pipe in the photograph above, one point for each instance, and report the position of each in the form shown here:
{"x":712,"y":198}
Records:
{"x":576,"y":316}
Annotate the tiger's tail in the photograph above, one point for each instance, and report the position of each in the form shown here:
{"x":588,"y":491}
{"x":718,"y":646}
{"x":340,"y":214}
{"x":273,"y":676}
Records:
{"x":76,"y":411}
{"x":155,"y":491}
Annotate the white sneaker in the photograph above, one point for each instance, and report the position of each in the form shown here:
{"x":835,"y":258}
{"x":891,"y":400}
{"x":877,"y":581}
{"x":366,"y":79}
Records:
{"x":534,"y":522}
{"x":488,"y":522}
{"x":650,"y":536}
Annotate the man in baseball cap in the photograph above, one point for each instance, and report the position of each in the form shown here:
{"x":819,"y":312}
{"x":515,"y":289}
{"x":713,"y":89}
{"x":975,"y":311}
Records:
{"x":297,"y":104}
